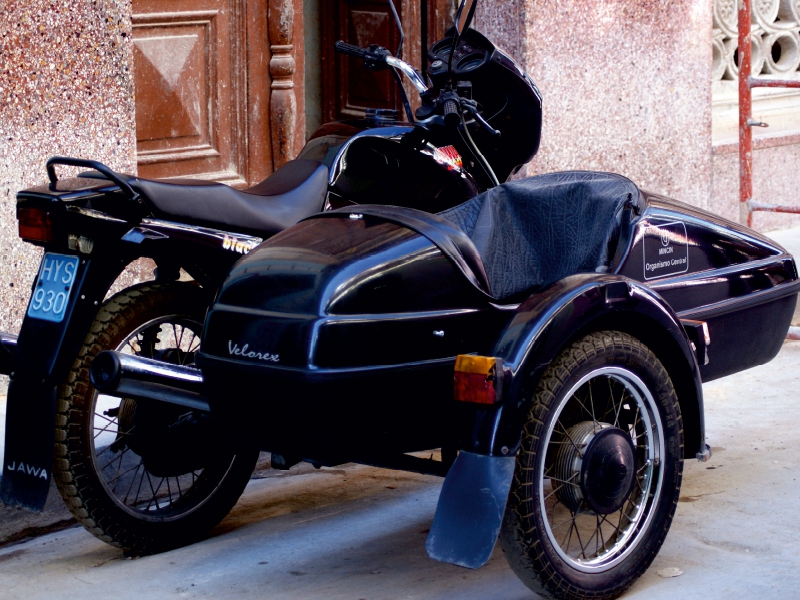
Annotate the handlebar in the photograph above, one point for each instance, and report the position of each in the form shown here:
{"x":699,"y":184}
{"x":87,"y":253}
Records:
{"x":376,"y":58}
{"x":351,"y":50}
{"x":90,"y":164}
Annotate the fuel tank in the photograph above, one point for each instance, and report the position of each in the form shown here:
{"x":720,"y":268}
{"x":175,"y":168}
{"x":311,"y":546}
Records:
{"x":382,"y":161}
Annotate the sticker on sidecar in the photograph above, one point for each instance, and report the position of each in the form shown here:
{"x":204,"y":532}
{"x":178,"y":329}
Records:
{"x":666,"y":250}
{"x":53,"y":286}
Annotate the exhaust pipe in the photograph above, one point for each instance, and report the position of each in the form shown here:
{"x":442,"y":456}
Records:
{"x":126,"y":376}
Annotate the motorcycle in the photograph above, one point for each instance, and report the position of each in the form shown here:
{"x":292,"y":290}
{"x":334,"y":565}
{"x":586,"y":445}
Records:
{"x":550,"y":335}
{"x":93,"y":225}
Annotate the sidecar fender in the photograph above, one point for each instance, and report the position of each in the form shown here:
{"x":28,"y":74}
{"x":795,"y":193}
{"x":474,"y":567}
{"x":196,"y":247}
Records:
{"x":471,"y":505}
{"x":555,"y":316}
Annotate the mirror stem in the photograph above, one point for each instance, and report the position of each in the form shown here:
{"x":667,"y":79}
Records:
{"x":399,"y":53}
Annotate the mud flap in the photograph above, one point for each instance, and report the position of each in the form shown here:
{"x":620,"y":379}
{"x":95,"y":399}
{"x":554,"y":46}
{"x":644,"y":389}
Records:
{"x":30,"y":435}
{"x":470,"y":509}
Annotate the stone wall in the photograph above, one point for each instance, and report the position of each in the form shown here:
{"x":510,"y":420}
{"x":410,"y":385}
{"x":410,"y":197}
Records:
{"x":626,"y":86}
{"x":65,"y":88}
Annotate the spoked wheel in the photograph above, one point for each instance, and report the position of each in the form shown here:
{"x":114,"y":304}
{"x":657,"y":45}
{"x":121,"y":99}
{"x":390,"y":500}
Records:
{"x":598,"y":476}
{"x":144,"y":476}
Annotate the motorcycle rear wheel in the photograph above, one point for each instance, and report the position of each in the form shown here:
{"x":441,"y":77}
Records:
{"x":104,"y":472}
{"x":598,"y":475}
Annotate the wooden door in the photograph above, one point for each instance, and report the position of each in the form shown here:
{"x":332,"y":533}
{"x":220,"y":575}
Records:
{"x":347,"y":88}
{"x":201,"y":87}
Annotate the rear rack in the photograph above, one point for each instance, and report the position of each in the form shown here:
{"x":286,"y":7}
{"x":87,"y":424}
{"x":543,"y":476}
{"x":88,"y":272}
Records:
{"x":112,"y":176}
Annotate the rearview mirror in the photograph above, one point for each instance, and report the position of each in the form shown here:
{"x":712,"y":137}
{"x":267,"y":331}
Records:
{"x":466,"y":10}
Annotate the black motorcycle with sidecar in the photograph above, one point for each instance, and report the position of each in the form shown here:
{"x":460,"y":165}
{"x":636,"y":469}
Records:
{"x":550,"y":335}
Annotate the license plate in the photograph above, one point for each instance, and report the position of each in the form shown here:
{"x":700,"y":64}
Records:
{"x":53,"y":286}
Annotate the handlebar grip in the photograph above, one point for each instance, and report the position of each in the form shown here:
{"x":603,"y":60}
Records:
{"x":451,"y":116}
{"x":345,"y":48}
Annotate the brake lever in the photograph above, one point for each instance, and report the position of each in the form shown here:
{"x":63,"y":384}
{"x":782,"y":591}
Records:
{"x":471,"y":106}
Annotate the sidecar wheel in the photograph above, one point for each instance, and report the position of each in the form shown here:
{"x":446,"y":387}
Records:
{"x":119,"y":466}
{"x":598,"y":475}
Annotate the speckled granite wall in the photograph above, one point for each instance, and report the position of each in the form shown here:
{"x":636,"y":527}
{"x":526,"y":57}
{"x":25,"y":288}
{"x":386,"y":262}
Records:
{"x":65,"y":88}
{"x":626,"y":86}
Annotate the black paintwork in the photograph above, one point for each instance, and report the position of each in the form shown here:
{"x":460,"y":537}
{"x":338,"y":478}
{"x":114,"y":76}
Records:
{"x":373,"y":161}
{"x":510,"y":99}
{"x":352,"y":309}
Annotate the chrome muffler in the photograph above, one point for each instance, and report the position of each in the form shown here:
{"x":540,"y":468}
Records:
{"x":125,"y":376}
{"x":8,"y":349}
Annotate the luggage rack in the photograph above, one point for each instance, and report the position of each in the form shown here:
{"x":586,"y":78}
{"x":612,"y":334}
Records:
{"x":747,"y":206}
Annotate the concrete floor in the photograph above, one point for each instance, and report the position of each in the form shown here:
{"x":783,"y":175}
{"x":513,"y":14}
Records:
{"x":358,"y":532}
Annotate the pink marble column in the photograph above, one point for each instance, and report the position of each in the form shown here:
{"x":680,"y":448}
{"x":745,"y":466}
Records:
{"x":626,"y":86}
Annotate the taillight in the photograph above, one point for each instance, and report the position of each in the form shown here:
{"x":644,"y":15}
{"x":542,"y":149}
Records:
{"x":477,"y":379}
{"x":35,"y":225}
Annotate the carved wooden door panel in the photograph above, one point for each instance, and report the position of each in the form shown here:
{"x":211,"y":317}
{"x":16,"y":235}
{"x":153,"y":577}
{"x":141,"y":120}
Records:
{"x":347,"y":88}
{"x":195,"y":90}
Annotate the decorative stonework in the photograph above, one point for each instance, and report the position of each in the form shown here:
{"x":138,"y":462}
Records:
{"x":775,"y":38}
{"x":283,"y":102}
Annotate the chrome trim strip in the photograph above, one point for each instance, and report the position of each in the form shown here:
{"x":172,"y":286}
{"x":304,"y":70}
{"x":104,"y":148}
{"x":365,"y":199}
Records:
{"x":95,"y":214}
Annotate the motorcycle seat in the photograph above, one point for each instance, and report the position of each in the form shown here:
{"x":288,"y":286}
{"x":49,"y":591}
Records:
{"x":292,"y":193}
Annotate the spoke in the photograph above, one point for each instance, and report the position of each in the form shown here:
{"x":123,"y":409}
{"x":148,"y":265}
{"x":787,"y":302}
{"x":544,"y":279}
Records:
{"x":580,"y":543}
{"x":591,"y":401}
{"x":616,"y":527}
{"x":169,"y":491}
{"x":619,"y":406}
{"x":104,"y":429}
{"x":583,"y":406}
{"x":103,"y":451}
{"x":194,"y":348}
{"x":133,"y":480}
{"x":597,"y":533}
{"x":565,"y":481}
{"x":551,"y":493}
{"x":119,"y":458}
{"x":139,"y":489}
{"x":102,"y":416}
{"x":568,"y":535}
{"x":614,"y":405}
{"x":154,"y":491}
{"x":564,"y":431}
{"x":589,"y":541}
{"x":113,"y":479}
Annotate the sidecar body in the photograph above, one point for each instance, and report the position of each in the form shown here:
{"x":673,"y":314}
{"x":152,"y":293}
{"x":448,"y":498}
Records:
{"x":345,"y":338}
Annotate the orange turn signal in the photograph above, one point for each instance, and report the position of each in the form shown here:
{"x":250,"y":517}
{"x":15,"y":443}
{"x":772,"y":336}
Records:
{"x":35,"y":225}
{"x":476,"y":379}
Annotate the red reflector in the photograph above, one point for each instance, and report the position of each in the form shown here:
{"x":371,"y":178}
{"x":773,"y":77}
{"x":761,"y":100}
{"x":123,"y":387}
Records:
{"x":35,"y":225}
{"x":476,"y":379}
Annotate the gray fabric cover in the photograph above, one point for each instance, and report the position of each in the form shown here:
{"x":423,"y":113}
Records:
{"x":535,"y":231}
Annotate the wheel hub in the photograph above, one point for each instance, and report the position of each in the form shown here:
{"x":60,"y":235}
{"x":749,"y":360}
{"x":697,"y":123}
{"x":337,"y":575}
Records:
{"x":596,"y":466}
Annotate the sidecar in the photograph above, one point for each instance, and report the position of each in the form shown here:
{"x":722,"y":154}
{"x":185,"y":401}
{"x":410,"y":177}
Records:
{"x":550,"y":335}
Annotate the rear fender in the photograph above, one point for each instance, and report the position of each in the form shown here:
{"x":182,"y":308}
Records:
{"x":473,"y":498}
{"x":43,"y":355}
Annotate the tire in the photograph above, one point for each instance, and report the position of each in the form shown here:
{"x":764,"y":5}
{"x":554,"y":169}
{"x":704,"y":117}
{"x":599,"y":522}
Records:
{"x":144,"y":476}
{"x":598,"y":475}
